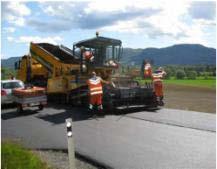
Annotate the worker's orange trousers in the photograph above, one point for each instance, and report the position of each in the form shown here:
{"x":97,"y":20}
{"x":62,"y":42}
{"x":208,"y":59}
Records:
{"x":158,"y":88}
{"x":95,"y":99}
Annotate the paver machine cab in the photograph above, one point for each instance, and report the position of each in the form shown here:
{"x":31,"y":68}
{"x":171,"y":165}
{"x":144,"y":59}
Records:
{"x":125,"y":92}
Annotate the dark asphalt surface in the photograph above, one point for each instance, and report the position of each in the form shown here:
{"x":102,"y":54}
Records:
{"x":192,"y":119}
{"x":166,"y":138}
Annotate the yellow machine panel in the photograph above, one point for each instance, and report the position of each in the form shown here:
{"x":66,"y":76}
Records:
{"x":57,"y":85}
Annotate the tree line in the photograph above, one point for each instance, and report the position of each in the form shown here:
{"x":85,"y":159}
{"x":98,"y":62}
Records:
{"x":6,"y":73}
{"x":177,"y":71}
{"x":190,"y":71}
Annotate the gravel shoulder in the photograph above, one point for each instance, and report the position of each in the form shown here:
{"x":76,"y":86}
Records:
{"x":60,"y":160}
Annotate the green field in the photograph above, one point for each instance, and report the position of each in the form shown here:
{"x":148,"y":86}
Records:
{"x":15,"y":156}
{"x":199,"y":82}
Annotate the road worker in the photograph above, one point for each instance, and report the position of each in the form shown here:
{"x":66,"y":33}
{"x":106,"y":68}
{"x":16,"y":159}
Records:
{"x":157,"y":77}
{"x":147,"y":70}
{"x":95,"y":92}
{"x":88,"y":60}
{"x":88,"y":55}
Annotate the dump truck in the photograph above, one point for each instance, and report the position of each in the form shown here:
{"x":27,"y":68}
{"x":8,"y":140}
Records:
{"x":65,"y":72}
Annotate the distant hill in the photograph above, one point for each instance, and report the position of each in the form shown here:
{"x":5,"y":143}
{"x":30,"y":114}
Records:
{"x":129,"y":53}
{"x":9,"y":63}
{"x":181,"y":54}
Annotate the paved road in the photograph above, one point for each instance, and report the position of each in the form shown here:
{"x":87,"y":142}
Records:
{"x":163,"y":139}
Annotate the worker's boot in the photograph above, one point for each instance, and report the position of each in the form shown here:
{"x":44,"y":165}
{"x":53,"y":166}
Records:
{"x":161,"y":103}
{"x":100,"y":110}
{"x":90,"y":108}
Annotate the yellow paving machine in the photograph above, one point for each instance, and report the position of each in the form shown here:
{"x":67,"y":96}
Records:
{"x":64,"y":73}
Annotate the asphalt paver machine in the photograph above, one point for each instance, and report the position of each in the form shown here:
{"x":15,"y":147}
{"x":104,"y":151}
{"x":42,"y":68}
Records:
{"x":125,"y":93}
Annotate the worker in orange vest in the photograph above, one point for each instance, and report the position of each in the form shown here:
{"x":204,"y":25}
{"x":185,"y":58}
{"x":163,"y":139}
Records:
{"x":95,"y":91}
{"x":157,"y":78}
{"x":88,"y":55}
{"x":147,"y":70}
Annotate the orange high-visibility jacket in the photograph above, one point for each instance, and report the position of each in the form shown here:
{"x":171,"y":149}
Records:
{"x":147,"y":70}
{"x":95,"y":86}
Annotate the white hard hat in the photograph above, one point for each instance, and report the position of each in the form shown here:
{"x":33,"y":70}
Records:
{"x":160,"y":69}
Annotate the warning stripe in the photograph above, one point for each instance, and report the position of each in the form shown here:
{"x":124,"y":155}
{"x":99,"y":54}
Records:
{"x":94,"y":93}
{"x":96,"y":88}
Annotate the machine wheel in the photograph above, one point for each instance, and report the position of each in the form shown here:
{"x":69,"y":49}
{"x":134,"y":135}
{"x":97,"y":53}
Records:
{"x":19,"y":108}
{"x":109,"y":108}
{"x":40,"y":107}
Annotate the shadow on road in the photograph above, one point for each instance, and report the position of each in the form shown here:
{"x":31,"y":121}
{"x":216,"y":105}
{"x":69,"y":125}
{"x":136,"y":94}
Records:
{"x":76,"y":113}
{"x":14,"y":114}
{"x":135,"y":110}
{"x":80,"y":114}
{"x":8,"y":106}
{"x":58,"y":113}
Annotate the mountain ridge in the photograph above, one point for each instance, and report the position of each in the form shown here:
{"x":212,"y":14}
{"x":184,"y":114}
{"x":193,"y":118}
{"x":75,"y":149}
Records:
{"x":179,"y":54}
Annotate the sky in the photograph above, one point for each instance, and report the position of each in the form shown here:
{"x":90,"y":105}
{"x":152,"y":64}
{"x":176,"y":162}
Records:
{"x":137,"y":23}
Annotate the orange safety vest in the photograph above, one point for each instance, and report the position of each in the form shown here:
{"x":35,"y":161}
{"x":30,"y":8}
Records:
{"x":95,"y":86}
{"x":147,"y":70}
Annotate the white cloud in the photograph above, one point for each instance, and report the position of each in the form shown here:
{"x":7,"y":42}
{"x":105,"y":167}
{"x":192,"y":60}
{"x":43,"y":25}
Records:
{"x":204,"y":22}
{"x":172,"y":21}
{"x":193,"y":35}
{"x":120,"y":5}
{"x":15,"y":12}
{"x":10,"y":39}
{"x":36,"y":39}
{"x":18,"y":21}
{"x":169,"y":19}
{"x":154,"y":19}
{"x":131,"y":26}
{"x":166,"y":22}
{"x":92,"y":14}
{"x":8,"y":30}
{"x":17,"y":8}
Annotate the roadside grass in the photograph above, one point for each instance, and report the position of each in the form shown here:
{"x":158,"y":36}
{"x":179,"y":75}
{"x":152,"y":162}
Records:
{"x":16,"y":156}
{"x":210,"y":82}
{"x":198,"y":82}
